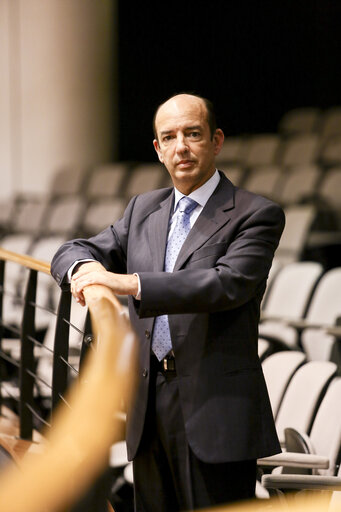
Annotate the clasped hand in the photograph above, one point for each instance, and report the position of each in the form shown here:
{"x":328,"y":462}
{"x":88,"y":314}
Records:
{"x":94,"y":273}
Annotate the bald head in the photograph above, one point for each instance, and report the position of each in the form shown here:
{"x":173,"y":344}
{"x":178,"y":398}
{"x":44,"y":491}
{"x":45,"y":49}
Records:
{"x":185,"y":101}
{"x":184,"y":141}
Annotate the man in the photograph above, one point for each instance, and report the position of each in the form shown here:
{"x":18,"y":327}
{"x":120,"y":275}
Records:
{"x":195,"y":276}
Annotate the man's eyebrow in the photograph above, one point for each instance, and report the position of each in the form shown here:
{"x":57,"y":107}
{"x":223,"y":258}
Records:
{"x":195,"y":127}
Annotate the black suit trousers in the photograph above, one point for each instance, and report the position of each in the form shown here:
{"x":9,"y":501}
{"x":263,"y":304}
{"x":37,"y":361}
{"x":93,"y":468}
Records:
{"x":168,"y":477}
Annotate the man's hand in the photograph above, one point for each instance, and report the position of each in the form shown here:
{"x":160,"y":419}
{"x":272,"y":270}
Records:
{"x":95,"y":273}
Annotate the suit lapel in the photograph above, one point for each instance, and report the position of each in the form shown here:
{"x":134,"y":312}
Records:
{"x":158,"y":232}
{"x":214,"y":215}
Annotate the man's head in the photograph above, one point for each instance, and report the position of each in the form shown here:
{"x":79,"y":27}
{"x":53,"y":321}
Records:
{"x":211,"y":117}
{"x":187,"y":140}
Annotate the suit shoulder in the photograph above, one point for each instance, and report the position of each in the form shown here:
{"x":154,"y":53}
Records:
{"x":154,"y":195}
{"x":144,"y":204}
{"x":256,"y":201}
{"x":253,"y":206}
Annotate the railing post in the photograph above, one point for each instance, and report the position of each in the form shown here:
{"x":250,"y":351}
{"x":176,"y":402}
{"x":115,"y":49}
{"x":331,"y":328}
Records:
{"x":61,"y":348}
{"x":27,"y":358}
{"x":2,"y":284}
{"x":87,"y":340}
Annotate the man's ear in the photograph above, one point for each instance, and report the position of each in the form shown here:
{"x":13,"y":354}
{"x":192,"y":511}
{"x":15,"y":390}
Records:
{"x":218,"y":139}
{"x":157,"y":149}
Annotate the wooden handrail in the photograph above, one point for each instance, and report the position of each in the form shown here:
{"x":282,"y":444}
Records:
{"x":77,"y":447}
{"x":291,"y":503}
{"x":25,"y":261}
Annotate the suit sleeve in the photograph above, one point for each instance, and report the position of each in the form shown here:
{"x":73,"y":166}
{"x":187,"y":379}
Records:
{"x":107,"y":247}
{"x":236,"y":277}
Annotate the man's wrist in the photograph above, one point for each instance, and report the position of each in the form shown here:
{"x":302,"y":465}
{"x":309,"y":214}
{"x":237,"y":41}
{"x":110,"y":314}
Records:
{"x":137,"y":293}
{"x":74,"y":267}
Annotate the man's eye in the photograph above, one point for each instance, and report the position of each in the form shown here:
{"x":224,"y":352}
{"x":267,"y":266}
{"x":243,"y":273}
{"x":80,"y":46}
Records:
{"x":194,"y":135}
{"x":167,"y":138}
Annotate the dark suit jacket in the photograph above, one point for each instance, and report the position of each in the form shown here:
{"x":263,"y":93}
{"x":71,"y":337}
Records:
{"x":213,"y":300}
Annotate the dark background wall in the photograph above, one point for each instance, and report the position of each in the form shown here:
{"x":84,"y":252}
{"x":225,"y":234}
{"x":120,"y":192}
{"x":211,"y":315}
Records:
{"x":254,"y":59}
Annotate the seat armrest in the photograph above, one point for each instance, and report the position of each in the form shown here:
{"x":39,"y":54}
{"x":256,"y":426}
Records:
{"x":295,"y":460}
{"x":298,"y":482}
{"x":334,"y":331}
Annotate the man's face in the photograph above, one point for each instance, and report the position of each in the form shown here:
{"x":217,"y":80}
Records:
{"x":184,"y":143}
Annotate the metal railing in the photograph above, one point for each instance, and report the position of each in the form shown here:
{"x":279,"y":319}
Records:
{"x":25,"y":330}
{"x":112,"y":345}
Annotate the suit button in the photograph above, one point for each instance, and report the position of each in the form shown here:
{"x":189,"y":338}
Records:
{"x":147,"y":334}
{"x":145,"y":373}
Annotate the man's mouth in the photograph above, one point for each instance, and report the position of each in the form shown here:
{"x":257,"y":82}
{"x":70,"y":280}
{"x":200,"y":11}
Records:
{"x":185,"y":163}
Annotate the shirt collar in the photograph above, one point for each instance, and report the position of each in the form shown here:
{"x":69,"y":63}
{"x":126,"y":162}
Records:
{"x":202,"y":194}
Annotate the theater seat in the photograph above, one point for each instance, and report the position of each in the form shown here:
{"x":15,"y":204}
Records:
{"x":278,"y":370}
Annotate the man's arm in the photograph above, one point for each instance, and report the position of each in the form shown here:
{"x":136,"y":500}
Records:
{"x":236,"y":277}
{"x":106,"y":248}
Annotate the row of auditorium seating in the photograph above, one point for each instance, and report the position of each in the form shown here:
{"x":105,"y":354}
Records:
{"x":305,"y":397}
{"x":67,"y":216}
{"x":304,"y":135}
{"x":252,"y":151}
{"x":76,"y":201}
{"x":80,"y":199}
{"x":301,"y":310}
{"x":327,"y":122}
{"x":299,"y":184}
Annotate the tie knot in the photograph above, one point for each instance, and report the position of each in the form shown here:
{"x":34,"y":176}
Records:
{"x":186,"y":204}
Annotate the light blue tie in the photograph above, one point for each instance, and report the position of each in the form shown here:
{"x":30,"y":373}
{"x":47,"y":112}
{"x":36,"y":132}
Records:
{"x":162,"y":343}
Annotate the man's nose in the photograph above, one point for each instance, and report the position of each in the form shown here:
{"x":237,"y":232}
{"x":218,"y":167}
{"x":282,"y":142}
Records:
{"x":181,"y":144}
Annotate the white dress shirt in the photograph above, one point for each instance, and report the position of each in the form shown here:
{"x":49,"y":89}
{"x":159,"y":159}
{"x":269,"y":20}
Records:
{"x":201,"y":195}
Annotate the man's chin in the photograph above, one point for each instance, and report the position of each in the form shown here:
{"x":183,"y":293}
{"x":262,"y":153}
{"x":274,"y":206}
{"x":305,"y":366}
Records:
{"x":186,"y":172}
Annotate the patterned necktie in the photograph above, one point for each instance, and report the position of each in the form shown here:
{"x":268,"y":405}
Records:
{"x":162,"y":343}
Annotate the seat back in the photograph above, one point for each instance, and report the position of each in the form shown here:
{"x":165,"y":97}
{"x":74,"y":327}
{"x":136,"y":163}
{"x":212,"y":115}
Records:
{"x":100,"y":214}
{"x":330,"y":191}
{"x":29,"y":215}
{"x":326,"y":430}
{"x":263,"y":180}
{"x":145,"y":177}
{"x":106,"y":181}
{"x":325,"y":304}
{"x":331,"y":152}
{"x":234,"y":173}
{"x":291,"y":289}
{"x":67,"y":181}
{"x":300,"y":120}
{"x":232,"y":151}
{"x":298,"y":183}
{"x":300,"y":149}
{"x":303,"y":395}
{"x":64,"y":216}
{"x":318,"y":345}
{"x":331,"y":122}
{"x":261,"y":149}
{"x":299,"y":220}
{"x":278,"y":370}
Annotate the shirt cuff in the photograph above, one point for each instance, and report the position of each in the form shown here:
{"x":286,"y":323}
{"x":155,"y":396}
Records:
{"x":71,"y":269}
{"x":138,"y":295}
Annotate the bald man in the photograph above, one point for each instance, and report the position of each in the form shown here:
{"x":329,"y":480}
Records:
{"x":193,"y":260}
